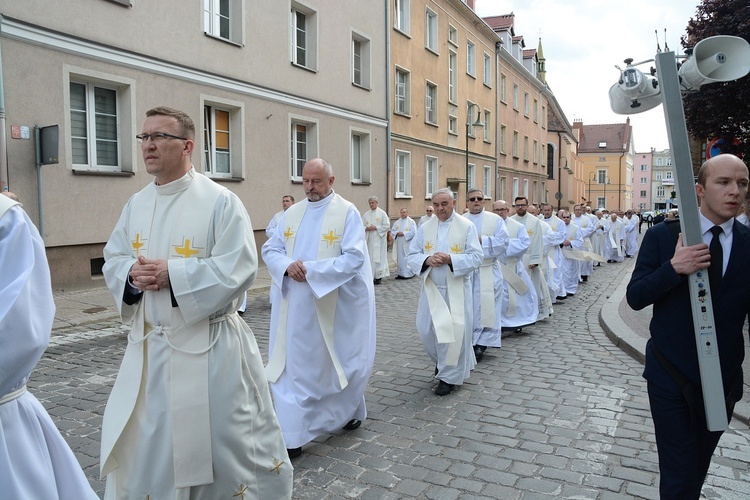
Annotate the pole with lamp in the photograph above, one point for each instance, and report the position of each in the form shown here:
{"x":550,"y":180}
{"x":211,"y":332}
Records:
{"x":591,"y":178}
{"x":715,"y":59}
{"x":606,"y":183}
{"x":560,"y":167}
{"x":470,"y":126}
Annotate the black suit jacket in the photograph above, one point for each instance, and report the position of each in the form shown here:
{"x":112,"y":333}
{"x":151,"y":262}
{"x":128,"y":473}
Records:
{"x":654,"y":281}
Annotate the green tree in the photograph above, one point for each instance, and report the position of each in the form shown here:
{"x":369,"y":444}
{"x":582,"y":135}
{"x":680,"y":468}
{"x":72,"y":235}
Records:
{"x":720,"y":110}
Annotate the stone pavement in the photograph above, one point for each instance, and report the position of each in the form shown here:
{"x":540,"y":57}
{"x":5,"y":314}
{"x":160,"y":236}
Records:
{"x":560,"y":411}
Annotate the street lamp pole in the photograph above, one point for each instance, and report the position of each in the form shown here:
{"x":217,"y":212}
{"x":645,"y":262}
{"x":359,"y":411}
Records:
{"x":591,"y":178}
{"x":477,"y":123}
{"x":560,"y":166}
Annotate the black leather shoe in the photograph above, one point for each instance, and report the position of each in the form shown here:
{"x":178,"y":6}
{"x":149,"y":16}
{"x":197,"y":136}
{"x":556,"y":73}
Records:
{"x":377,"y":281}
{"x":585,"y":278}
{"x":479,"y":352}
{"x":561,"y":297}
{"x":352,"y":424}
{"x":294,"y":452}
{"x":443,"y":389}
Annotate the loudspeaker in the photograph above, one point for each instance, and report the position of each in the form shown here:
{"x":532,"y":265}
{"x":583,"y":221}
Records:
{"x":719,"y":58}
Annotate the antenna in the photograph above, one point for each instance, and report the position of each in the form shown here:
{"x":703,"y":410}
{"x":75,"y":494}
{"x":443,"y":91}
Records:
{"x":666,"y":48}
{"x":658,"y":47}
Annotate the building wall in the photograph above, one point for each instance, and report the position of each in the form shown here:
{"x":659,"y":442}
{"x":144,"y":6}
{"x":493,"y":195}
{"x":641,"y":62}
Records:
{"x":411,"y":132}
{"x":642,"y":170}
{"x":155,"y":59}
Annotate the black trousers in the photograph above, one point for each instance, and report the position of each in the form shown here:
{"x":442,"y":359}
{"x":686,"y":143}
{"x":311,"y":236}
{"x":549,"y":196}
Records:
{"x":684,"y":452}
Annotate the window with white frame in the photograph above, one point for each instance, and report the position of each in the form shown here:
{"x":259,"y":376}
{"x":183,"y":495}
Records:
{"x":668,"y":174}
{"x":304,"y":36}
{"x":514,"y":194}
{"x":487,"y":70}
{"x":402,"y":16}
{"x":659,"y":162}
{"x":452,"y":35}
{"x":472,"y":172}
{"x":452,"y":77}
{"x":430,"y":175}
{"x":526,"y":148}
{"x":403,"y":173}
{"x":535,"y":110}
{"x":470,"y":119}
{"x":471,"y":58}
{"x":526,"y":188}
{"x":487,"y":126}
{"x":643,"y":194}
{"x":431,"y":30}
{"x":453,"y":124}
{"x":430,"y":103}
{"x":526,"y":104}
{"x":659,"y":175}
{"x":601,"y":176}
{"x":503,"y":87}
{"x":303,"y":137}
{"x":644,"y":180}
{"x":361,"y":155}
{"x":487,"y":181}
{"x":669,"y":161}
{"x":544,"y":117}
{"x":360,"y":60}
{"x":515,"y":144}
{"x":515,"y":96}
{"x":535,"y":152}
{"x":644,"y":167}
{"x":661,"y":192}
{"x":503,"y":139}
{"x":222,"y":18}
{"x":102,"y":138}
{"x":402,"y":104}
{"x":503,"y":186}
{"x":219,"y":141}
{"x":601,"y":202}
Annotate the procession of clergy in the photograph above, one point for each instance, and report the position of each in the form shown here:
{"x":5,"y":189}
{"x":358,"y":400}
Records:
{"x":505,"y":271}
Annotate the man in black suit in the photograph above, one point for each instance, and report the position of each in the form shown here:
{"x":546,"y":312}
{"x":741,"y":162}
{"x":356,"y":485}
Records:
{"x":683,"y":441}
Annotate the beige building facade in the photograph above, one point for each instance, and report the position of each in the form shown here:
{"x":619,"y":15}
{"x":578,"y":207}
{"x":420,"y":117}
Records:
{"x":268,"y":87}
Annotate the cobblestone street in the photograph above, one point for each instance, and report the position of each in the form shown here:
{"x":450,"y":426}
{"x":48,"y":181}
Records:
{"x":559,"y":411}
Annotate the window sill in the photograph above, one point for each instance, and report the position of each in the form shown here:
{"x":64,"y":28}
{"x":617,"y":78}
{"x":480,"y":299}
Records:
{"x":225,"y":40}
{"x":403,"y":196}
{"x":311,"y":70}
{"x":399,"y":30}
{"x":225,"y":179}
{"x":103,"y":173}
{"x":361,"y":183}
{"x":399,"y":113}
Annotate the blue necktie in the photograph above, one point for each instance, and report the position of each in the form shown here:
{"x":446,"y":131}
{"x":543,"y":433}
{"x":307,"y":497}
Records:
{"x":717,"y":260}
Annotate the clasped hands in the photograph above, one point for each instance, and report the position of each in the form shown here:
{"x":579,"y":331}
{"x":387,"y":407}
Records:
{"x":149,"y":275}
{"x":297,"y":271}
{"x":438,"y":259}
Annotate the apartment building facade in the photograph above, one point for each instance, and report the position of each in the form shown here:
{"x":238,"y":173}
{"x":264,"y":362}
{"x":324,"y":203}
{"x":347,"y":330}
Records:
{"x":642,"y":181}
{"x":663,"y":192}
{"x":269,"y":85}
{"x":607,"y":154}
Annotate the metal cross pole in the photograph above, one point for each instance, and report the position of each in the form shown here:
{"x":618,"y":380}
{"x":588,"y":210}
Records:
{"x":690,"y":225}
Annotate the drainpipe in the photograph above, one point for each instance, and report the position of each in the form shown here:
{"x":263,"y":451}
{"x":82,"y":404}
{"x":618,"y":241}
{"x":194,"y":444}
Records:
{"x":388,"y":30}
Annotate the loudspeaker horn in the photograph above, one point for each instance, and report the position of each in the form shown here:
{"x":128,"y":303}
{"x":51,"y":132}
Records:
{"x":720,"y":58}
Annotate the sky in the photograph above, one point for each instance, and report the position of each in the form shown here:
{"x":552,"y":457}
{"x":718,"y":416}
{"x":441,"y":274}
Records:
{"x":582,"y":42}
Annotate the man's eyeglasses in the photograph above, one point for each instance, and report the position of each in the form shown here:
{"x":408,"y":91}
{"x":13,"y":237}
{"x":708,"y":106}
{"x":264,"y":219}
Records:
{"x":476,"y":198}
{"x":566,"y":216}
{"x":520,"y":205}
{"x":501,"y":210}
{"x":159,"y":137}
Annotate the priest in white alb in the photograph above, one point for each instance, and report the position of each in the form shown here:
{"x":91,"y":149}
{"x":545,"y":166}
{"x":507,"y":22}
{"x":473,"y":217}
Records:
{"x":446,"y":252}
{"x":403,"y":232}
{"x":487,"y":282}
{"x":322,"y":335}
{"x":377,"y":224}
{"x":36,"y":461}
{"x":520,"y":306}
{"x":533,"y":258}
{"x":190,"y":414}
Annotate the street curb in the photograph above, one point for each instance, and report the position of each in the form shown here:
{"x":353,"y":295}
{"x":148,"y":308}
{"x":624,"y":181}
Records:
{"x":634,"y":345}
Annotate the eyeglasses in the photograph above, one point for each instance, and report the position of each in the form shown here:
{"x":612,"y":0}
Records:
{"x":159,"y":137}
{"x":476,"y":198}
{"x":520,"y":205}
{"x":566,"y":216}
{"x":501,"y":210}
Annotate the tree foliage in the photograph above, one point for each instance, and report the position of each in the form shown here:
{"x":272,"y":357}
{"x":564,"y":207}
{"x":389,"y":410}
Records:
{"x":720,"y":110}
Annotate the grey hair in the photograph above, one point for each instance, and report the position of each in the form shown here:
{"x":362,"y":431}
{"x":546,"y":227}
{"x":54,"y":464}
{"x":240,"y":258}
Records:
{"x":475,"y":190}
{"x":444,"y":190}
{"x":372,"y":198}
